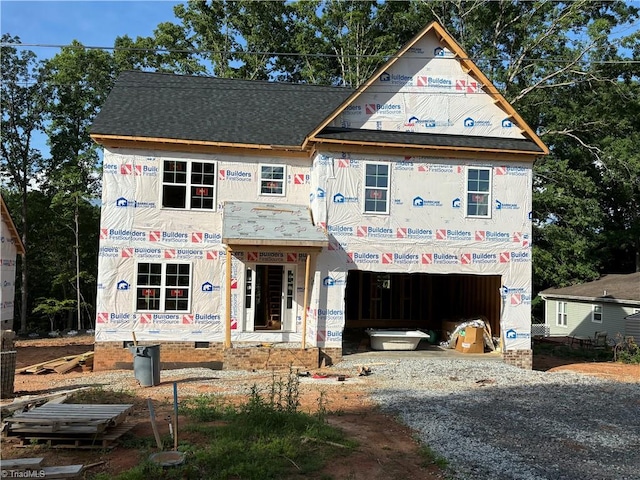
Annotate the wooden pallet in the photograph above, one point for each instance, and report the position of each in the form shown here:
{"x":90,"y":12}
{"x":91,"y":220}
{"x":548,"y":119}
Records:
{"x":99,"y":441}
{"x":70,"y":425}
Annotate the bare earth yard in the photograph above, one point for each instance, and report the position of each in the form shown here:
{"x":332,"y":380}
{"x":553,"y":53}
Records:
{"x":386,"y":449}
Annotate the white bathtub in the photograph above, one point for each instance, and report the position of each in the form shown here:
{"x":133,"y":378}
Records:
{"x":395,"y":339}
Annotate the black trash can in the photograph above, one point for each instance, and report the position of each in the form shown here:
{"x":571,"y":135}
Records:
{"x":146,"y":364}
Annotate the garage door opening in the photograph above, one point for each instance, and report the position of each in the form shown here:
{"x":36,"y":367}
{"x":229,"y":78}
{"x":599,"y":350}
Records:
{"x":419,"y":300}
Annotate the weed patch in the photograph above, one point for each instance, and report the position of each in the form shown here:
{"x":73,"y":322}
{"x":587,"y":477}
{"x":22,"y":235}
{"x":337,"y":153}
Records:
{"x":267,"y":437}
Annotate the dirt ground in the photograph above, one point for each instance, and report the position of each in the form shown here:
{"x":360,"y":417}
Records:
{"x":386,"y":449}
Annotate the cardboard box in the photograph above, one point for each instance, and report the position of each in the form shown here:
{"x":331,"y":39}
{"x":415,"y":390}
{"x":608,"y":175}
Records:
{"x":470,"y":340}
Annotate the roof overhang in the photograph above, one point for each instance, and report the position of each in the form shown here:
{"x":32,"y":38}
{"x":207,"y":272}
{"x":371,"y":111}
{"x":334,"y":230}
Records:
{"x":271,"y":227}
{"x":576,"y":298}
{"x":433,"y":142}
{"x":122,"y":141}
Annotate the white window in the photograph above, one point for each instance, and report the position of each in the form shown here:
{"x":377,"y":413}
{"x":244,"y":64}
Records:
{"x":272,"y":180}
{"x":189,"y":185}
{"x":478,"y":192}
{"x":561,"y":314}
{"x":376,"y":188}
{"x":163,"y":287}
{"x":596,"y":313}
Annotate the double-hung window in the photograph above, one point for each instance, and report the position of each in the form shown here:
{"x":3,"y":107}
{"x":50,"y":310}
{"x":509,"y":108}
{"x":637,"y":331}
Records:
{"x":163,"y":287}
{"x":376,"y":188}
{"x":272,"y":178}
{"x":478,"y":192}
{"x":561,"y":314}
{"x":189,"y":185}
{"x":596,"y":313}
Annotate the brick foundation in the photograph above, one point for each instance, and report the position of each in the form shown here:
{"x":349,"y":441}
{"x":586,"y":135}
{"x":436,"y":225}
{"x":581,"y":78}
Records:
{"x":115,"y":355}
{"x":519,"y":358}
{"x":265,"y":358}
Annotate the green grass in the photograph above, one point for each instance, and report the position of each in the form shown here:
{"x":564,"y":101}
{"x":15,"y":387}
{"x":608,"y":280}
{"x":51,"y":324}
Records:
{"x":429,"y":457}
{"x":264,"y":438}
{"x":98,"y":395}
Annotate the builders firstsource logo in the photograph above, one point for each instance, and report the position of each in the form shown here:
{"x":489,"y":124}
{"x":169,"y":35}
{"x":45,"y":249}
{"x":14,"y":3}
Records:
{"x":396,"y":79}
{"x":234,"y":175}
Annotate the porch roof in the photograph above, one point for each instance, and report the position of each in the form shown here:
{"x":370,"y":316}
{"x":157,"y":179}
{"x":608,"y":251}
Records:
{"x":268,"y":225}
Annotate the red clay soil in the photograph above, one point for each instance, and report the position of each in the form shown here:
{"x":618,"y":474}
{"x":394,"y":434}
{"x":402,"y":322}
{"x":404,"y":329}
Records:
{"x":387,"y":449}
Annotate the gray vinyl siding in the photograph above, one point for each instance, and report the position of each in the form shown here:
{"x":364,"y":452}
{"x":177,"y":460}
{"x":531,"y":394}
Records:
{"x":579,"y":319}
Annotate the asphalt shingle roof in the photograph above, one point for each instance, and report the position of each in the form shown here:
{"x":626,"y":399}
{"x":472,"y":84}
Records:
{"x":618,"y":287}
{"x":157,"y":105}
{"x":432,"y":139}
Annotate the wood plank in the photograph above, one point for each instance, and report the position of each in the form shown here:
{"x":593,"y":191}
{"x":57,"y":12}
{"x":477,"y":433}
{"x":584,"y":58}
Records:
{"x":18,"y":463}
{"x":70,"y":365}
{"x":62,"y":431}
{"x":22,"y":402}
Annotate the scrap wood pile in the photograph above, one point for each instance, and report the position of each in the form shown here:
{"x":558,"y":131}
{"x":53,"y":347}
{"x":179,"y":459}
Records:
{"x":59,"y":365}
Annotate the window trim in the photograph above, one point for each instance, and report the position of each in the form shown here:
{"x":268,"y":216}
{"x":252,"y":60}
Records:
{"x":594,"y":313}
{"x":387,"y":189}
{"x":163,"y":286}
{"x":561,"y":313}
{"x":489,"y":193}
{"x":187,"y":185}
{"x":261,"y":179}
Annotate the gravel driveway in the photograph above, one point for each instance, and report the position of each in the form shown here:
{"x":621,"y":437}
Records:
{"x":490,"y":420}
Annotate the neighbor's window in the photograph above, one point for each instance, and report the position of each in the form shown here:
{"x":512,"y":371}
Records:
{"x":596,"y":313}
{"x":376,"y":188}
{"x":561,"y":309}
{"x":272,"y":180}
{"x":478,"y":192}
{"x":188,"y":185}
{"x":163,"y":287}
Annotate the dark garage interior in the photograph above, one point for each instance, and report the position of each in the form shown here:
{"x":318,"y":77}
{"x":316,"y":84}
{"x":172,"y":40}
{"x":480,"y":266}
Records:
{"x":419,"y":300}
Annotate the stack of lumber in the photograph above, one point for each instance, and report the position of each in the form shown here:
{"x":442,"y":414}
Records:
{"x":70,"y":425}
{"x":59,"y":365}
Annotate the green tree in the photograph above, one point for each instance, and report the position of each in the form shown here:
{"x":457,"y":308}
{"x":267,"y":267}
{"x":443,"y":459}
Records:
{"x":23,"y":106}
{"x":78,"y":80}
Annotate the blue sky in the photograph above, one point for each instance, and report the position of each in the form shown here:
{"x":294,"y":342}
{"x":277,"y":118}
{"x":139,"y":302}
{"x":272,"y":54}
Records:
{"x":93,"y":23}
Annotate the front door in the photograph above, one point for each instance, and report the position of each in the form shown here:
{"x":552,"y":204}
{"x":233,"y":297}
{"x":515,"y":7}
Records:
{"x":269,"y":297}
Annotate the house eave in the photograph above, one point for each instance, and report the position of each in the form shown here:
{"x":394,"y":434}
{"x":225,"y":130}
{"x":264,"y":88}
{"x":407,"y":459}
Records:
{"x":120,"y":140}
{"x":428,"y":148}
{"x":576,"y":298}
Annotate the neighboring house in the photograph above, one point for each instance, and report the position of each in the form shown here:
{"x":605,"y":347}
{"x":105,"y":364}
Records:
{"x":601,"y":305}
{"x":242,"y":213}
{"x":10,"y":246}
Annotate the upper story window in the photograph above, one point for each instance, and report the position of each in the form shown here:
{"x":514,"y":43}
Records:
{"x":561,"y":312}
{"x":272,"y":180}
{"x":596,"y":313}
{"x":189,"y":185}
{"x":163,"y":287}
{"x":479,"y":192}
{"x":376,"y":188}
